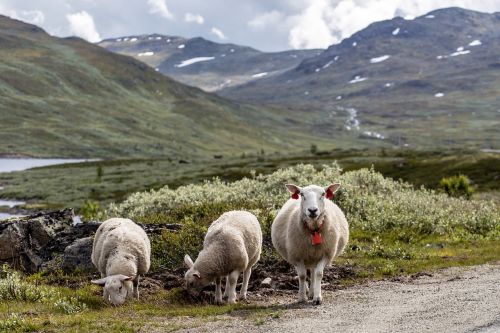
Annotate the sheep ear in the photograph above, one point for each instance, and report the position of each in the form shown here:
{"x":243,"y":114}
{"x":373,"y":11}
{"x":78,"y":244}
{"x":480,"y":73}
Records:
{"x":331,"y":189}
{"x":122,"y":278}
{"x":188,"y":261}
{"x":100,"y":282}
{"x":294,"y":189}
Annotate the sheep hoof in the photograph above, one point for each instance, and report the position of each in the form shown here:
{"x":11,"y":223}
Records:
{"x":317,"y":301}
{"x":218,"y":302}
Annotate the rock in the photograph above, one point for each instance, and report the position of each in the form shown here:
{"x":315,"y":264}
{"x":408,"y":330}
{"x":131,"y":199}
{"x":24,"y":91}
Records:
{"x":29,"y":242}
{"x":77,"y":256}
{"x":266,"y":283}
{"x":52,"y":240}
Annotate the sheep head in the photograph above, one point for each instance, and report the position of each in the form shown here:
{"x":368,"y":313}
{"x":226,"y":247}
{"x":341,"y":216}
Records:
{"x":193,"y":278}
{"x":312,"y":201}
{"x":116,"y":288}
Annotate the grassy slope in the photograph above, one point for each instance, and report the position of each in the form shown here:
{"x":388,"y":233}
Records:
{"x":79,"y":182}
{"x":69,"y":98}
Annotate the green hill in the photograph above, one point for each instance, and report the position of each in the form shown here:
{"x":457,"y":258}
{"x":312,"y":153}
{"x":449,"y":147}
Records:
{"x":68,"y":98}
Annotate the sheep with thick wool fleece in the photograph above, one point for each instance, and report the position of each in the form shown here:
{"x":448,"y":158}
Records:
{"x":232,"y":245}
{"x":121,"y":252}
{"x":309,"y":231}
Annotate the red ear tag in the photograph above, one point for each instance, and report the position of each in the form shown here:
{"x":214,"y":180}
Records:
{"x":295,"y":195}
{"x":316,"y":238}
{"x":329,"y":194}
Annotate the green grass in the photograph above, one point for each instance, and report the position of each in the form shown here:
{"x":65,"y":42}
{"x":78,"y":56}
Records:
{"x":388,"y":257}
{"x":77,"y":183}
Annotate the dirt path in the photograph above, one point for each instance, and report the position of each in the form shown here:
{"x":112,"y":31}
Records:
{"x":452,"y":300}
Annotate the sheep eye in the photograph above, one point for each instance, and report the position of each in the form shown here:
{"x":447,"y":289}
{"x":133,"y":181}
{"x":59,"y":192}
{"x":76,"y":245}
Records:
{"x":120,"y":288}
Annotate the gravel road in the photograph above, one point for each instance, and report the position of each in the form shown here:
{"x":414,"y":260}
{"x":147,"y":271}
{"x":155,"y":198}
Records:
{"x":451,"y":300}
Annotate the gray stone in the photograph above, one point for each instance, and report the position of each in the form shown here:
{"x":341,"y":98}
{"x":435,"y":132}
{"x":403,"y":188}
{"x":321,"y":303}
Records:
{"x":77,"y":256}
{"x":266,"y":283}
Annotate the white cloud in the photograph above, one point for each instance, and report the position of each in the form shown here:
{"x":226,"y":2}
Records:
{"x":36,"y":17}
{"x":266,"y":19}
{"x":159,"y":7}
{"x":324,"y":22}
{"x":218,"y":33}
{"x":82,"y":25}
{"x":196,"y":18}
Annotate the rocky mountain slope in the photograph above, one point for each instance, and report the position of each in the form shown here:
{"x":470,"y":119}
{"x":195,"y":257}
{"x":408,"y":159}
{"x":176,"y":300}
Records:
{"x":203,"y":63}
{"x":425,"y":82}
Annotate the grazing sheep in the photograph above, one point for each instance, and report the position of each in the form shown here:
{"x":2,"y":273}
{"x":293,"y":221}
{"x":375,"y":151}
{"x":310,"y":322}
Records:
{"x":309,"y":233}
{"x":232,"y":245}
{"x":121,"y":252}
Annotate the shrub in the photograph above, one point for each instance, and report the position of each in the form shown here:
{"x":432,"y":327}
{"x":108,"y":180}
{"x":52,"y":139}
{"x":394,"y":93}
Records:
{"x":90,"y":210}
{"x":371,"y":203}
{"x":456,"y":186}
{"x":14,"y":288}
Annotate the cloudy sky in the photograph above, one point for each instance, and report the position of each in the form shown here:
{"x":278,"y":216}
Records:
{"x":267,"y":25}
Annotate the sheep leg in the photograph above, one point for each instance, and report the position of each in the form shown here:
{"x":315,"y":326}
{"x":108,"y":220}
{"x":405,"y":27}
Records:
{"x":318,"y":276}
{"x":231,"y":294}
{"x":226,"y":290}
{"x":136,"y":287}
{"x":302,"y":272}
{"x":218,"y":292}
{"x":244,"y":286}
{"x":311,"y":289}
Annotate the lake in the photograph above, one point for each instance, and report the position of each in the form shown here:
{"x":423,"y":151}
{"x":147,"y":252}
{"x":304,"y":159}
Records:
{"x":7,"y":215}
{"x":11,"y":203}
{"x":19,"y":164}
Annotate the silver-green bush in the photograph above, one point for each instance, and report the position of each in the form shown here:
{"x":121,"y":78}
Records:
{"x":370,"y":201}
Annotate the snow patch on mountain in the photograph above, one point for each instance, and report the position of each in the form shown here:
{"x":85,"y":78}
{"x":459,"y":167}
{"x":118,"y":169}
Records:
{"x":193,"y":61}
{"x":259,"y":75}
{"x":379,"y":59}
{"x":357,"y":79}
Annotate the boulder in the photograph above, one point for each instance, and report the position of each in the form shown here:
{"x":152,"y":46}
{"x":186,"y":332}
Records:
{"x":29,"y":242}
{"x":78,"y":256}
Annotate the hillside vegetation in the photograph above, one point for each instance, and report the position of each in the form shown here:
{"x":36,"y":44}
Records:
{"x":68,"y":98}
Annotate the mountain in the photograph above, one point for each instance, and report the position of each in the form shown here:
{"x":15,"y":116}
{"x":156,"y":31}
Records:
{"x":65,"y":97}
{"x":202,"y":63}
{"x":431,"y":81}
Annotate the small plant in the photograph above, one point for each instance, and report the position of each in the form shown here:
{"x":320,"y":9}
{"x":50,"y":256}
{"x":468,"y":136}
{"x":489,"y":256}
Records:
{"x":13,"y":287}
{"x":100,"y":173}
{"x":313,"y":149}
{"x":90,"y":210}
{"x":69,"y":305}
{"x":457,"y":186}
{"x":15,"y":322}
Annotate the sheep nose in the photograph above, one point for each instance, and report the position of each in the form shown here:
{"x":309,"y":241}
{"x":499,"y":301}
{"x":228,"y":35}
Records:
{"x":313,"y":211}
